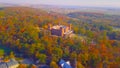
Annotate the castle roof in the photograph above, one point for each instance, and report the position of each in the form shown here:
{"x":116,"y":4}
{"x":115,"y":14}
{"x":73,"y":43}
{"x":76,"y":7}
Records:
{"x":58,"y":26}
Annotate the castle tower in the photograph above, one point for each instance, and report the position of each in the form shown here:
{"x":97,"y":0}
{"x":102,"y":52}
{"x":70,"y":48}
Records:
{"x":62,"y":31}
{"x":70,"y":26}
{"x":49,"y":26}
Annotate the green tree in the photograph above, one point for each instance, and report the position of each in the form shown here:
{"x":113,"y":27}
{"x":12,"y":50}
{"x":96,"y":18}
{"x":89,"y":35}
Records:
{"x":57,"y":52}
{"x":79,"y":65}
{"x":12,"y":55}
{"x":42,"y":58}
{"x":53,"y":65}
{"x":73,"y":56}
{"x":1,"y":52}
{"x":84,"y":58}
{"x":94,"y":60}
{"x":59,"y":40}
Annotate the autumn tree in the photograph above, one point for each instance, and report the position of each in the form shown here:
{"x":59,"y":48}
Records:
{"x":12,"y":55}
{"x":79,"y":65}
{"x":53,"y":65}
{"x":57,"y":52}
{"x":42,"y":58}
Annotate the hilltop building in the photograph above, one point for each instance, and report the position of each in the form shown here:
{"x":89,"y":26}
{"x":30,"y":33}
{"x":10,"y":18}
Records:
{"x":60,"y":30}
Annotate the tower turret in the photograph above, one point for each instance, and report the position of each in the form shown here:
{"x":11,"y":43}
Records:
{"x":70,"y":26}
{"x":62,"y":31}
{"x":49,"y":26}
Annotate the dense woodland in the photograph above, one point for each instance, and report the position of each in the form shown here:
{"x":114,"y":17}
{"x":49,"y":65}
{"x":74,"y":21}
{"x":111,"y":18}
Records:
{"x":24,"y":31}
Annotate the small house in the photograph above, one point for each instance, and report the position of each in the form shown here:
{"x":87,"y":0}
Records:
{"x":65,"y":64}
{"x":10,"y":64}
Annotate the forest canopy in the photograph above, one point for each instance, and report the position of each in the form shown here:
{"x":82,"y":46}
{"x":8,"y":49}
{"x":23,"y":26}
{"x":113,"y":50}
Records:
{"x":24,"y":31}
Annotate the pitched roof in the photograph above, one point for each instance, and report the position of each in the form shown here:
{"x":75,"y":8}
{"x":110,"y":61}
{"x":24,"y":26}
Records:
{"x":12,"y":62}
{"x":59,"y":26}
{"x":61,"y":61}
{"x":64,"y":64}
{"x":3,"y":65}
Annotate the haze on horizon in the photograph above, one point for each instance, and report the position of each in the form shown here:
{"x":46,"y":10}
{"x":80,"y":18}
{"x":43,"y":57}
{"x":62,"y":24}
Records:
{"x":93,"y":3}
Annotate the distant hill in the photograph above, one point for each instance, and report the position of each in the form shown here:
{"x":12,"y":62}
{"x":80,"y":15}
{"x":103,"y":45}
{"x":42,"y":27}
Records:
{"x":7,"y":5}
{"x":68,"y":9}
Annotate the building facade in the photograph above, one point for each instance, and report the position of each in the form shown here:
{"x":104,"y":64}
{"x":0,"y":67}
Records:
{"x":60,"y":30}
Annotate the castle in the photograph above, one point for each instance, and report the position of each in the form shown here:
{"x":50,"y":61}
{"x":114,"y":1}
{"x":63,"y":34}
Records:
{"x":60,"y":30}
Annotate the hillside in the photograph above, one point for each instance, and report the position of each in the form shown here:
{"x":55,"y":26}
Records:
{"x":24,"y":31}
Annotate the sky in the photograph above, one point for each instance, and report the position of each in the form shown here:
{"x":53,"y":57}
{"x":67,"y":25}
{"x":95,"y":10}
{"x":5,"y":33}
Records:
{"x":96,"y":3}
